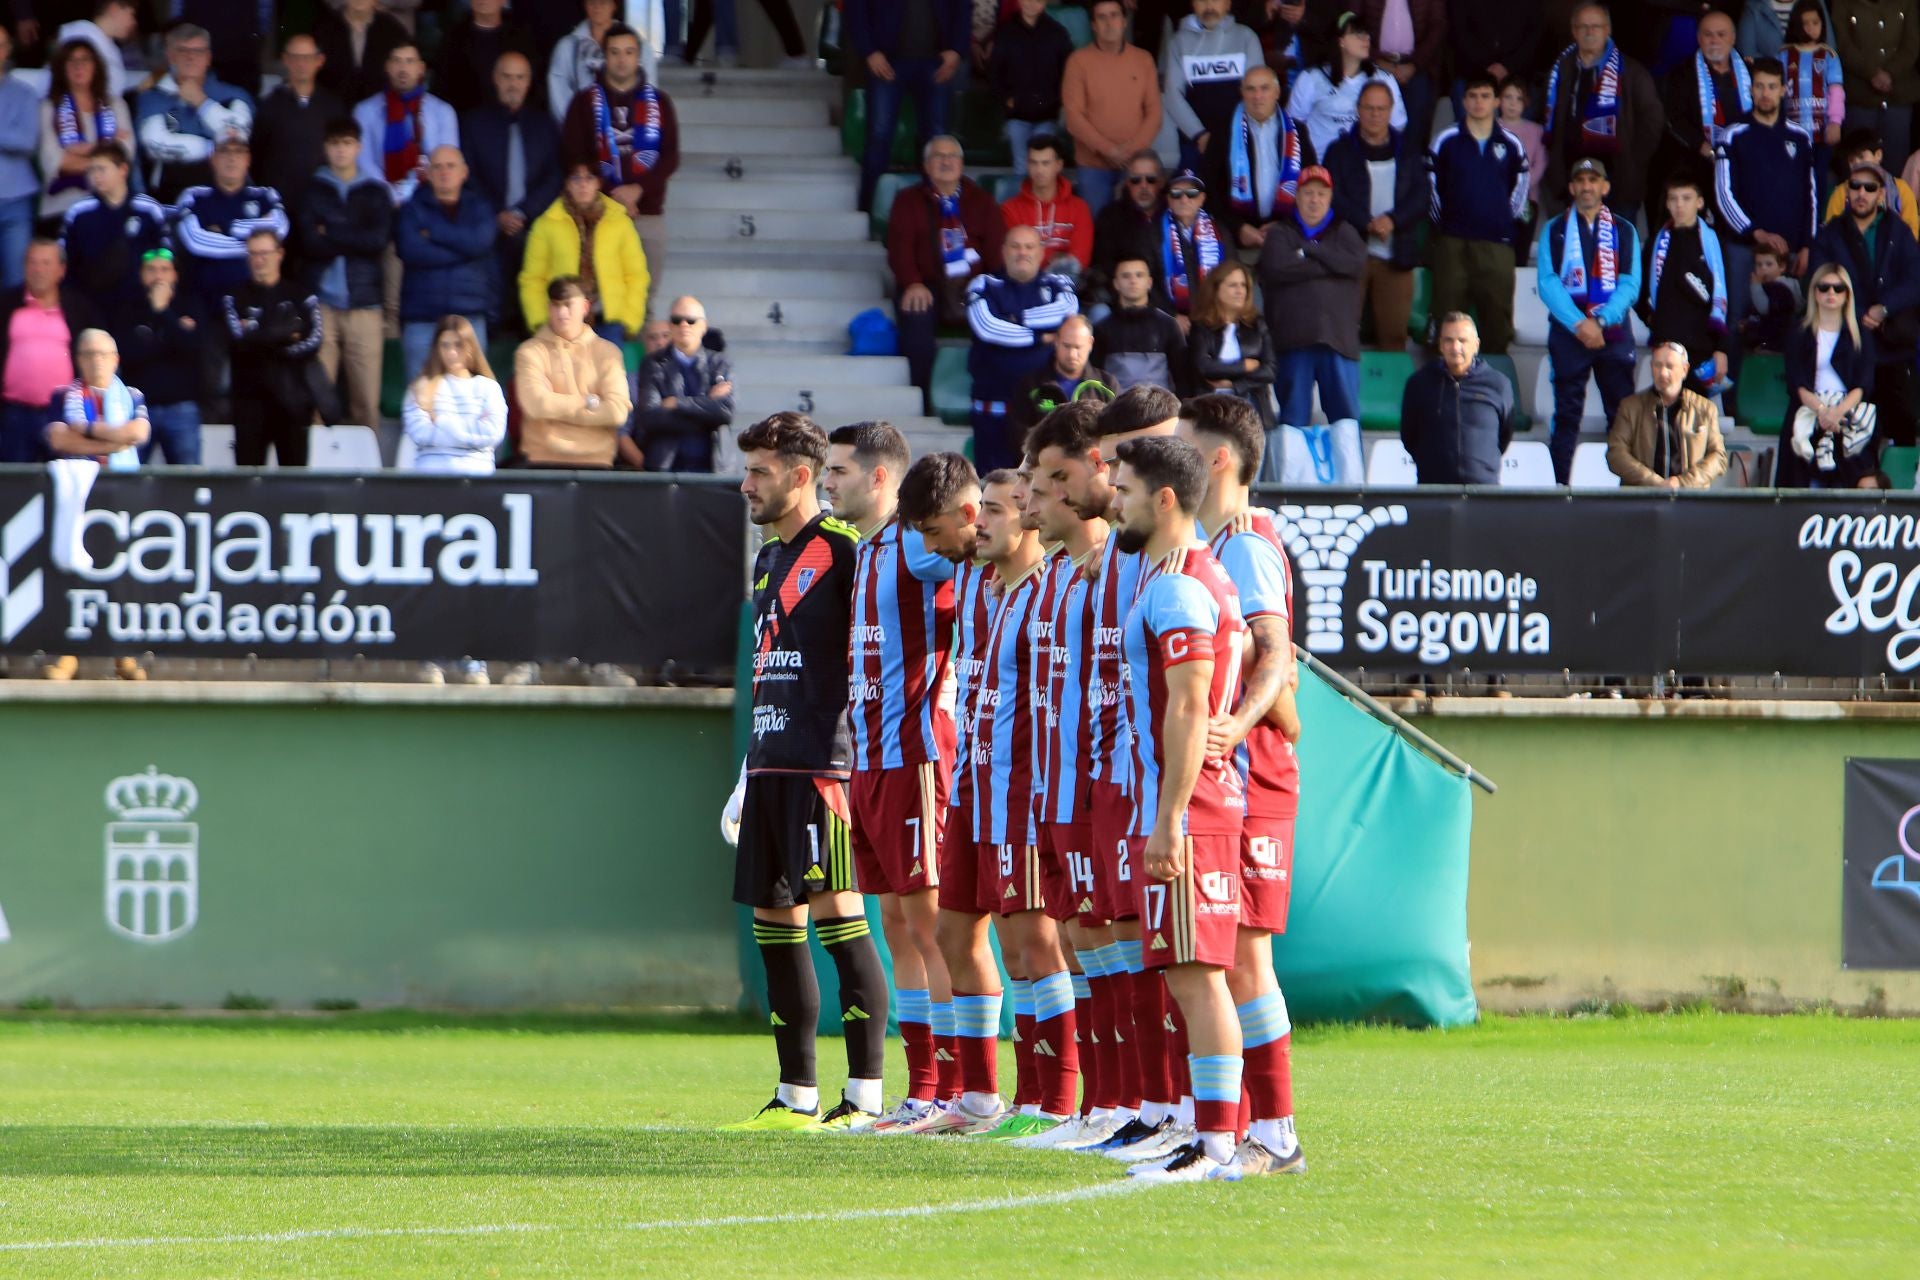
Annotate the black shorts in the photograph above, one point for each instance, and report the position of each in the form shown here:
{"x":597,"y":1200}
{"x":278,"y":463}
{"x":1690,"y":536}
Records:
{"x":795,"y":840}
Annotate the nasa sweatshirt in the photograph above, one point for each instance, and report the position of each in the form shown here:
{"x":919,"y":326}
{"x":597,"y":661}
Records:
{"x":1203,"y":73}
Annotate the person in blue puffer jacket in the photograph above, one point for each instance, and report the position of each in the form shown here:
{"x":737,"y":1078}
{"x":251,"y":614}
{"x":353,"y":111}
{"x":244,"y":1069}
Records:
{"x":444,"y":236}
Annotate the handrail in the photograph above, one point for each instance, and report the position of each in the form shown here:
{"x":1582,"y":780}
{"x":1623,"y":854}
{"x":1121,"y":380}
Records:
{"x":1395,"y":721}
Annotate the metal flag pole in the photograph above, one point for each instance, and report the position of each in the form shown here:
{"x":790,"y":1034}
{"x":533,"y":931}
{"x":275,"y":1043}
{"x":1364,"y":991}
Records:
{"x":1395,"y":721}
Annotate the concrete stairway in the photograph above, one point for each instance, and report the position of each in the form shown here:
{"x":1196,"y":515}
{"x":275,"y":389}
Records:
{"x":763,"y":228}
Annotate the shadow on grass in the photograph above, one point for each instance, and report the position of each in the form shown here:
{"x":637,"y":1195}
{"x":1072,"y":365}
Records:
{"x":645,"y":1021}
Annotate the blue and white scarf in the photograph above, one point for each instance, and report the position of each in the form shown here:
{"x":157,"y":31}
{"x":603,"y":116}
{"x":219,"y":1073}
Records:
{"x":642,"y":135}
{"x":1710,"y":253}
{"x":67,"y":132}
{"x":1599,"y":114}
{"x":1182,"y":280}
{"x":1240,"y":166}
{"x":1713,"y":118}
{"x":1591,"y":290}
{"x":116,"y":405}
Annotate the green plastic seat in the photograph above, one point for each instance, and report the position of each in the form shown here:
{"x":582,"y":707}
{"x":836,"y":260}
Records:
{"x":1522,"y":420}
{"x":1761,"y":391}
{"x":966,"y":448}
{"x":1076,"y":21}
{"x":393,"y":379}
{"x":1899,"y":462}
{"x":889,"y":186}
{"x":952,"y":386}
{"x":1422,"y":304}
{"x":1383,"y":376}
{"x":1005,"y":187}
{"x":853,"y":130}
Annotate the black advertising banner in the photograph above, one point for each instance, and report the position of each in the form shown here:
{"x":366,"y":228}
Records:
{"x":518,"y":566}
{"x":1880,"y":877}
{"x":1735,"y":585}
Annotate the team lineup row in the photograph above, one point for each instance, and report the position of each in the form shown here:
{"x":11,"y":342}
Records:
{"x":1057,"y":701}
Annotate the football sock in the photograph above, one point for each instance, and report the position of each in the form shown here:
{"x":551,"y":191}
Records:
{"x":793,"y":998}
{"x":1026,"y":1083}
{"x":914,"y":1009}
{"x":1178,"y":1050}
{"x":1150,"y":1036}
{"x":1266,"y":1033}
{"x":1084,"y":1043}
{"x":1056,"y":1057}
{"x":946,"y":1051}
{"x":1216,"y":1110}
{"x":863,"y":992}
{"x":1276,"y":1136}
{"x":976,"y":1024}
{"x":799,"y":1097}
{"x":1121,"y":967}
{"x":864,"y":1094}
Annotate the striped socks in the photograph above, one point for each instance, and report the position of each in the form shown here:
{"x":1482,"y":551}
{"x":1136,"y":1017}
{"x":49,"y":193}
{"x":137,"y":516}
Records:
{"x":1056,"y":1060}
{"x":976,"y":1026}
{"x":1267,"y":1035}
{"x":1216,"y":1102}
{"x":914,"y":1009}
{"x":946,"y":1051}
{"x":793,"y":998}
{"x":1026,"y":1084}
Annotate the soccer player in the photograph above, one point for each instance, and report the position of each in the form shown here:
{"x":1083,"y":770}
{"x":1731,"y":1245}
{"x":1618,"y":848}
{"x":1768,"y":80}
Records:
{"x":1258,"y":736}
{"x":940,"y":498}
{"x":794,"y":861}
{"x":902,"y":734}
{"x":1182,"y":646}
{"x":1061,"y":790}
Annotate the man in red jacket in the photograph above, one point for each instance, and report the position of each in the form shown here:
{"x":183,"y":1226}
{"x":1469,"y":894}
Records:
{"x":941,"y":233}
{"x":1047,"y":204}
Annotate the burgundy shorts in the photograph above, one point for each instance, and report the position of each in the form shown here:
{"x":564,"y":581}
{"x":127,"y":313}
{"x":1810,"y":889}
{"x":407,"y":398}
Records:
{"x":1111,"y":813}
{"x":1194,"y":918}
{"x":899,"y":827}
{"x":1016,"y":878}
{"x":966,"y":870}
{"x":1266,"y":873}
{"x":1067,"y":872}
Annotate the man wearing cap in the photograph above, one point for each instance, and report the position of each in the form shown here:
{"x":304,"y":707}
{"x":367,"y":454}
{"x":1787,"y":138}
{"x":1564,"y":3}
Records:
{"x":212,"y":223}
{"x":1883,"y":261}
{"x":164,"y":346}
{"x":1667,"y":436}
{"x":1312,"y":270}
{"x":1256,"y":162}
{"x":1190,"y":244}
{"x":1589,"y":273}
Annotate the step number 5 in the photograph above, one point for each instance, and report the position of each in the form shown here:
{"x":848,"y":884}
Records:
{"x":747,"y":229}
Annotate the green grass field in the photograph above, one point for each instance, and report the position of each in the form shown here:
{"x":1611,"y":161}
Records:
{"x":405,"y":1145}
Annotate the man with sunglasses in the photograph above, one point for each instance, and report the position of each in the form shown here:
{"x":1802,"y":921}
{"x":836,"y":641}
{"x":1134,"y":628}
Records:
{"x":1125,"y":227}
{"x":686,"y":394}
{"x":1883,"y":260}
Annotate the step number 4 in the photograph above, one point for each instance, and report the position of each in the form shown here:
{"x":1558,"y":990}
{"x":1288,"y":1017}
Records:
{"x":747,"y":229}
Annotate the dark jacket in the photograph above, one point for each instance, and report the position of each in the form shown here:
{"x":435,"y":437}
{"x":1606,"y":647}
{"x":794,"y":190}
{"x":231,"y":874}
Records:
{"x":1347,"y":161}
{"x":1456,"y":431}
{"x":162,"y":356}
{"x":356,"y":83}
{"x":449,"y":259}
{"x":105,"y":247}
{"x":1855,"y":367}
{"x":1484,"y":33}
{"x":1216,"y":170}
{"x":1026,"y":67}
{"x":1314,"y":288}
{"x":1479,"y":193}
{"x":580,"y":144}
{"x":274,"y":331}
{"x":1764,"y":178}
{"x":1429,"y":29}
{"x":1684,"y":131}
{"x":1124,"y":230}
{"x":1204,"y":364}
{"x":867,"y":25}
{"x":1641,"y":122}
{"x":1142,"y":344}
{"x":463,"y":75}
{"x":355,"y":223}
{"x":913,"y":224}
{"x":662,"y":378}
{"x":1891,"y":279}
{"x":289,"y":139}
{"x":483,"y":140}
{"x":79,"y":311}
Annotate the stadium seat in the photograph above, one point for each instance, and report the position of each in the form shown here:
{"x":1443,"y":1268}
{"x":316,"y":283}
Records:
{"x":1590,"y":469}
{"x":393,"y":378}
{"x":952,"y":387}
{"x":966,"y":448}
{"x":216,"y":445}
{"x":1594,"y":412}
{"x":350,"y":447}
{"x":1389,"y":465}
{"x":1899,"y":462}
{"x":1503,"y":363}
{"x":1422,"y":310}
{"x":1005,"y":186}
{"x":1762,"y":393}
{"x":1530,"y":319}
{"x":1383,"y":376}
{"x":889,"y":186}
{"x":1526,"y":464}
{"x":1075,"y":20}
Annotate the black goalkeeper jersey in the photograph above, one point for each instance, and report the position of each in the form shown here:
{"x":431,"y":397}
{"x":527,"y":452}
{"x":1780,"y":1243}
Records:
{"x":802,"y":619}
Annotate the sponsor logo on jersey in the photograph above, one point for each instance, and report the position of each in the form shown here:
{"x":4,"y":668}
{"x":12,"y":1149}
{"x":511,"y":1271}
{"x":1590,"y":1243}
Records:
{"x":867,"y":689}
{"x":768,"y":720}
{"x":777,"y":660}
{"x":874,"y":635}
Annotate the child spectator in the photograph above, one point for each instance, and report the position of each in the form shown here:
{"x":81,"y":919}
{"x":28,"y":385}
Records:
{"x":1774,"y":305}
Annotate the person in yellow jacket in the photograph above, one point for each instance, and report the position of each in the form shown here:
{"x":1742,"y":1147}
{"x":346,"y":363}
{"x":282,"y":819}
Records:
{"x":587,"y":234}
{"x":1863,"y":144}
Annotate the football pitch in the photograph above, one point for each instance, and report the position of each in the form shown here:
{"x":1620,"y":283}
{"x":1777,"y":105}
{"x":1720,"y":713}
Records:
{"x":397,"y":1144}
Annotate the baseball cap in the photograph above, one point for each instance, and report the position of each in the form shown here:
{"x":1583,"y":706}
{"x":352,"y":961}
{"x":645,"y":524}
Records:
{"x":1314,"y":173}
{"x":1189,"y":177}
{"x":1588,"y":165}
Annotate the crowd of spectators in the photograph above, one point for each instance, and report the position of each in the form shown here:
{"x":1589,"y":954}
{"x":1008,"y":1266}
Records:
{"x":1265,"y":178}
{"x":248,"y":203}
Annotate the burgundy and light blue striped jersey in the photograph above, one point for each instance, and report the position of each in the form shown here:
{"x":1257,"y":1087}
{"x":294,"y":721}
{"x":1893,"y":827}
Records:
{"x":1003,"y":732}
{"x":1109,"y":746}
{"x":1064,"y":791}
{"x":973,"y":614}
{"x":1187,"y":611}
{"x":1056,"y":568}
{"x":900,"y":649}
{"x":1258,"y":566}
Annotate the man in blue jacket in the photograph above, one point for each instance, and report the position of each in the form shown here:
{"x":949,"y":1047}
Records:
{"x":1478,"y":177}
{"x":1589,"y":273}
{"x":909,"y":47}
{"x":183,"y":117}
{"x":1013,"y":318}
{"x":1456,"y":414}
{"x":212,"y":223}
{"x":444,"y":237}
{"x":1883,"y":261}
{"x":1387,"y":216}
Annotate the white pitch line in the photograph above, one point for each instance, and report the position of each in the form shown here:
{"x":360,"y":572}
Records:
{"x":995,"y":1204}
